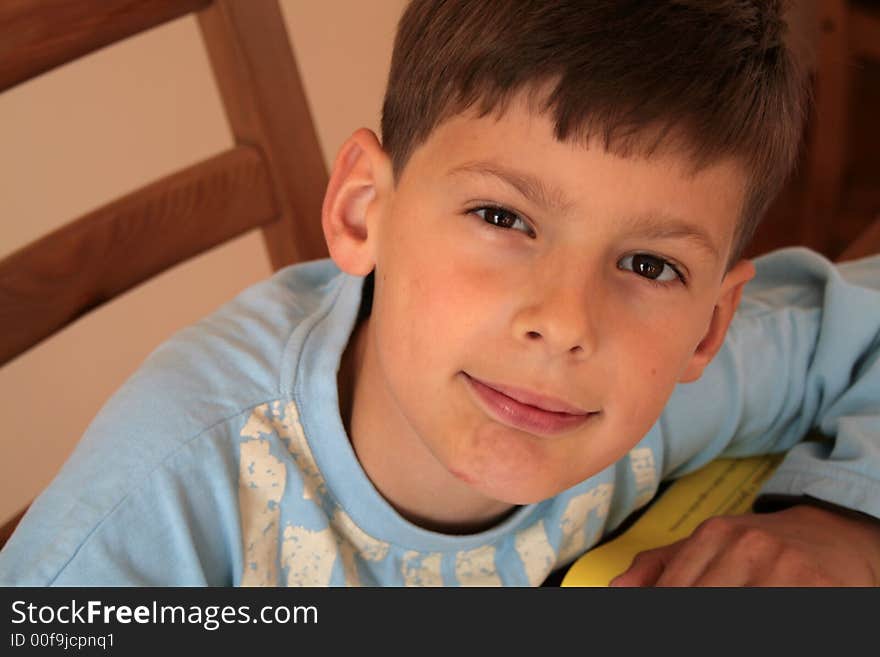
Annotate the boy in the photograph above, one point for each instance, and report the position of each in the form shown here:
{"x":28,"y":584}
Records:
{"x":544,"y":245}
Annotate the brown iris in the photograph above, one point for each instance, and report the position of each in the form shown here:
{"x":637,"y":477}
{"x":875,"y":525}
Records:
{"x":647,"y":266}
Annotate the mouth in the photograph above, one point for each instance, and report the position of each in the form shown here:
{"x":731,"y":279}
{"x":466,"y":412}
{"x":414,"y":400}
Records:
{"x":525,"y":410}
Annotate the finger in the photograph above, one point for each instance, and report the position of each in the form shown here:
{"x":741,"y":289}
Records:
{"x":697,"y":551}
{"x":748,"y":558}
{"x":646,"y":567}
{"x":794,"y":568}
{"x":732,"y":569}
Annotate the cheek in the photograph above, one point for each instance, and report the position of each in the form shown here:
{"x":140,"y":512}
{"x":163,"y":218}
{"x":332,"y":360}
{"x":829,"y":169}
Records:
{"x":436,"y":298}
{"x":650,"y":357}
{"x":666,"y":334}
{"x":421,"y":312}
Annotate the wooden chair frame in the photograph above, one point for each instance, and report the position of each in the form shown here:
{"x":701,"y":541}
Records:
{"x":273,"y":178}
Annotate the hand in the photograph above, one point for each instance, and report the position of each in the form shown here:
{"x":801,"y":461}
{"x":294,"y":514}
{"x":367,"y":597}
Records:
{"x":799,"y":546}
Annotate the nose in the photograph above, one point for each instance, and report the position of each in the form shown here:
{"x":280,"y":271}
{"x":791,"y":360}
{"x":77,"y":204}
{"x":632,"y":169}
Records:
{"x":559,"y":316}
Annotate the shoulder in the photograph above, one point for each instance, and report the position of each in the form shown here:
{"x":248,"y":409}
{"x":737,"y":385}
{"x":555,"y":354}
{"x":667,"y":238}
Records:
{"x":232,"y":360}
{"x":796,"y":277}
{"x":232,"y":357}
{"x":169,"y":432}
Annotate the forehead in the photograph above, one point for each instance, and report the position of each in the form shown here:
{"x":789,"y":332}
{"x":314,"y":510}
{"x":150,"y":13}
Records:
{"x":659,"y":193}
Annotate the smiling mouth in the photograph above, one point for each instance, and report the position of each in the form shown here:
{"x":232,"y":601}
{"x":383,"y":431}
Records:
{"x":527,"y":411}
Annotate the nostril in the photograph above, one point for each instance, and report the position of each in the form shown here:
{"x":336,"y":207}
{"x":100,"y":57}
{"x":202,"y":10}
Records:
{"x":576,"y":349}
{"x":533,"y":335}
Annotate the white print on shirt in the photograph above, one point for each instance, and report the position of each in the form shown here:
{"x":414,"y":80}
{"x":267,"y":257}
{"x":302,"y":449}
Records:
{"x":641,"y":462}
{"x":421,"y":569}
{"x":477,"y":567}
{"x":536,"y":552}
{"x":352,"y":540}
{"x":260,"y":487}
{"x":574,"y":520}
{"x":289,"y":429}
{"x":308,"y":556}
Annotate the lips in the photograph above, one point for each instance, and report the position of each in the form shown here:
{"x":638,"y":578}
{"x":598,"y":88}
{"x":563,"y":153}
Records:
{"x":525,"y":410}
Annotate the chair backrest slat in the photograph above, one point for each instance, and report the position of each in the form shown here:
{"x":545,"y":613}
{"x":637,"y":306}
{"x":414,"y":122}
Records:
{"x":56,"y":279}
{"x":265,"y":103}
{"x":38,"y":35}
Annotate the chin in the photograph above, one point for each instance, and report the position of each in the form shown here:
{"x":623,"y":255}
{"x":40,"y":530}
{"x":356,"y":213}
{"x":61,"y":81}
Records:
{"x":509,"y":490}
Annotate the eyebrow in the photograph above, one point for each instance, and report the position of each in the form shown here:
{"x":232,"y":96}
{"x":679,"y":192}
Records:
{"x":659,"y":225}
{"x":529,"y":186}
{"x":652,"y":225}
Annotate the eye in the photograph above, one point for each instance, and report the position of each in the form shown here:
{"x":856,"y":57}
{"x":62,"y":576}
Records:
{"x":503,"y":218}
{"x":653,"y":268}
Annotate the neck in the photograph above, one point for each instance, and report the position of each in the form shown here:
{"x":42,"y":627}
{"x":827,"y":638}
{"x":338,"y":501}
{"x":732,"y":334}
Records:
{"x":393,"y":456}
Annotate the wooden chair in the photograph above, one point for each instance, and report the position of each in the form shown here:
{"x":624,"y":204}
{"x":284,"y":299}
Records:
{"x":273,"y":178}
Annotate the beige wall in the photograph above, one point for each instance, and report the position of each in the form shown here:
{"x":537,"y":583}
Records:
{"x":131,"y":113}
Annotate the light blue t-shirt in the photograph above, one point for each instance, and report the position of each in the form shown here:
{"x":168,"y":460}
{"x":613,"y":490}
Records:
{"x":223,"y":460}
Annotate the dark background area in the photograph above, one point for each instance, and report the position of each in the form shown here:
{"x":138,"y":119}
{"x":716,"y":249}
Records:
{"x":835,"y":192}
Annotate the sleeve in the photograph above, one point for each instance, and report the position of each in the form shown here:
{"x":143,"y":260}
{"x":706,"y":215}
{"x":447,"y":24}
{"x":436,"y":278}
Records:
{"x":802,"y":355}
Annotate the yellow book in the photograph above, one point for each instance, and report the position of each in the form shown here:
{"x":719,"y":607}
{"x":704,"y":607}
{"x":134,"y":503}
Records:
{"x":722,"y":487}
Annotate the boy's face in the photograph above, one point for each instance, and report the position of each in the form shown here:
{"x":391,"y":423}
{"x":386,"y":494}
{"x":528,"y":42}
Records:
{"x":527,"y":356}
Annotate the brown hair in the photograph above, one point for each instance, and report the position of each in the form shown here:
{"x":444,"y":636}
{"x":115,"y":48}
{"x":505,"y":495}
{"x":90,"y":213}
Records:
{"x":712,"y":77}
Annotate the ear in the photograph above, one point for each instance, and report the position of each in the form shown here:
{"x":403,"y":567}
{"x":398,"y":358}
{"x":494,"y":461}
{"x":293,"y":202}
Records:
{"x":728,"y":302}
{"x":357,"y":194}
